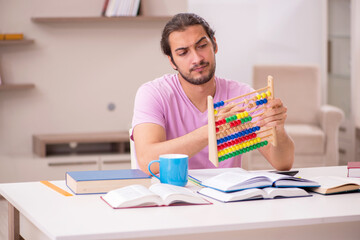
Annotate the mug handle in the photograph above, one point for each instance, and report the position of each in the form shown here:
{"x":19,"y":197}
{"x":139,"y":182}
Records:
{"x":151,"y":171}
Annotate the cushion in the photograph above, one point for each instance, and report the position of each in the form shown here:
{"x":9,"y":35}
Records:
{"x":308,"y":139}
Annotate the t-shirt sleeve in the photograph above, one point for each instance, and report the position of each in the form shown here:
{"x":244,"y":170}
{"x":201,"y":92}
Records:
{"x":148,"y":106}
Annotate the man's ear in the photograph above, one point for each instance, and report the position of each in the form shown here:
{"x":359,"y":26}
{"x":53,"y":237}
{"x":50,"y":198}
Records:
{"x":172,"y":63}
{"x":215,"y":45}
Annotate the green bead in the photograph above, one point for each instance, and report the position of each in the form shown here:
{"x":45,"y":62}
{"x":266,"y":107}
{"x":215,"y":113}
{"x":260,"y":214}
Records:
{"x":266,"y":142}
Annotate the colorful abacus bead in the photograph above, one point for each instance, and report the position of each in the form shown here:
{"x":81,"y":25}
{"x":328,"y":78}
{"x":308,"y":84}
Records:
{"x":219,"y":104}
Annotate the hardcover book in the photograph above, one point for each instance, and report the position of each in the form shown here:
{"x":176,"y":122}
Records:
{"x":254,"y":194}
{"x":236,"y":181}
{"x":353,"y":169}
{"x":157,"y":195}
{"x":88,"y":182}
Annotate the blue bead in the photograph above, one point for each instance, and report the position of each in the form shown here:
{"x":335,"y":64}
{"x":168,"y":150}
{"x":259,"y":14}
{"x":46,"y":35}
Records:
{"x":261,"y":101}
{"x":222,"y":103}
{"x":265,"y":100}
{"x":257,"y":103}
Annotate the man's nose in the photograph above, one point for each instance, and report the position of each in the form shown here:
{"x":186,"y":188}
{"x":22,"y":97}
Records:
{"x":196,"y":57}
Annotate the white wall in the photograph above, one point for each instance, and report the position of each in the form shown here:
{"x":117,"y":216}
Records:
{"x":263,"y":32}
{"x":355,"y":73}
{"x":78,"y":69}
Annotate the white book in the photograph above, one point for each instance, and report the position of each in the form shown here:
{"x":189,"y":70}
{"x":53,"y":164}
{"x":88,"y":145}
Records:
{"x":112,"y":8}
{"x":235,"y":181}
{"x":135,"y":7}
{"x":157,"y":195}
{"x":121,"y":8}
{"x":254,"y":193}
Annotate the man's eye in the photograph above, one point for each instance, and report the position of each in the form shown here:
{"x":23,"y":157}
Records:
{"x":203,"y":45}
{"x":182,"y":53}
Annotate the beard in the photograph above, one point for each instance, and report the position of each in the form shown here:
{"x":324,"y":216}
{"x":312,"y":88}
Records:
{"x":200,"y":80}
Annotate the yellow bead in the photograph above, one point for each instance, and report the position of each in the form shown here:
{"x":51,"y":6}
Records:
{"x":251,"y":142}
{"x":258,"y":139}
{"x":215,"y":112}
{"x":268,"y":93}
{"x":258,"y":96}
{"x":263,"y":95}
{"x":238,"y":115}
{"x":247,"y":144}
{"x":237,"y":147}
{"x":246,"y":114}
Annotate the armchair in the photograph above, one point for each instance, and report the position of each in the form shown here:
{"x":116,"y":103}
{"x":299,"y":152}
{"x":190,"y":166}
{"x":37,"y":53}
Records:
{"x":313,"y":127}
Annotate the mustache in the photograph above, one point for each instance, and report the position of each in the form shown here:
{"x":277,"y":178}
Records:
{"x":202,"y":64}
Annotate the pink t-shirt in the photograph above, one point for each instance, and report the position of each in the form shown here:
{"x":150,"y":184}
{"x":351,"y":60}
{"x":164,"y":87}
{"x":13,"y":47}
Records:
{"x":164,"y":102}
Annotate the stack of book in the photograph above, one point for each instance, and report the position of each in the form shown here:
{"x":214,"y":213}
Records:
{"x":240,"y":185}
{"x":117,"y":8}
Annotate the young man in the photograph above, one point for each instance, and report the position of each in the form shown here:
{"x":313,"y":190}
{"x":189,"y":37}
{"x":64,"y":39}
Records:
{"x":170,"y":113}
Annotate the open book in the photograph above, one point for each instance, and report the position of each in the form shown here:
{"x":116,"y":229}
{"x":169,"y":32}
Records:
{"x":157,"y":195}
{"x":254,"y":193}
{"x":332,"y":185}
{"x":236,"y":181}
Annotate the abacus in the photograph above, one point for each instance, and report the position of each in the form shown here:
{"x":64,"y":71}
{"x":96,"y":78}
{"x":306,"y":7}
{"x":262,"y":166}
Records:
{"x":238,"y":133}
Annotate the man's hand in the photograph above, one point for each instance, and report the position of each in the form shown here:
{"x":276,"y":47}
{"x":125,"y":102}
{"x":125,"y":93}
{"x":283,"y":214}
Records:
{"x":274,"y":115}
{"x":229,"y":110}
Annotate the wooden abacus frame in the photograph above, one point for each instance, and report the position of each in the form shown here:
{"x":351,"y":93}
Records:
{"x":224,"y":128}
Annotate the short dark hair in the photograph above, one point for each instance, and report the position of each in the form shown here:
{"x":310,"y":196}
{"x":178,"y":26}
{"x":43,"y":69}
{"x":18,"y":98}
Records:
{"x":179,"y":23}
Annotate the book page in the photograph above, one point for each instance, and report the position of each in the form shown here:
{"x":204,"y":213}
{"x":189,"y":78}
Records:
{"x":133,"y":195}
{"x":333,"y":182}
{"x":201,"y":175}
{"x":285,"y":192}
{"x":231,"y":181}
{"x":284,"y":180}
{"x":171,"y":194}
{"x":248,"y":194}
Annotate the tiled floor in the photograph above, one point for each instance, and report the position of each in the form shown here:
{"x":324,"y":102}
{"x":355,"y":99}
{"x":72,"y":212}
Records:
{"x":3,"y":219}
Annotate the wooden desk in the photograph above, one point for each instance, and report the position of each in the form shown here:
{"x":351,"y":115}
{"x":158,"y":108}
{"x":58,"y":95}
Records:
{"x":45,"y":214}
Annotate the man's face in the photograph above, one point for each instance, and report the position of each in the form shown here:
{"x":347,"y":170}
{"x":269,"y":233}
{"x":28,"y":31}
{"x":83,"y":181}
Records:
{"x":193,"y":54}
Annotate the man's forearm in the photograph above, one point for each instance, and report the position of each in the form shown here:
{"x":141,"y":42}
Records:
{"x":189,"y":144}
{"x":282,"y":156}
